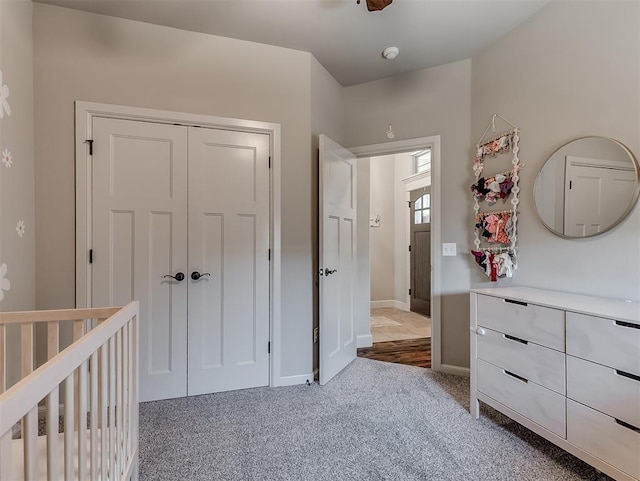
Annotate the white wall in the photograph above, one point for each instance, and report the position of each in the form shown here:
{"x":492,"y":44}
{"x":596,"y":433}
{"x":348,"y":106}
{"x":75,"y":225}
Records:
{"x":17,"y":252}
{"x":433,"y":101}
{"x":82,"y":56}
{"x":382,"y":238}
{"x":571,"y":70}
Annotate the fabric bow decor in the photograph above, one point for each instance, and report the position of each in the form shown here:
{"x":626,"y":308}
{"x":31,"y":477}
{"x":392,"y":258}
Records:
{"x":373,"y":5}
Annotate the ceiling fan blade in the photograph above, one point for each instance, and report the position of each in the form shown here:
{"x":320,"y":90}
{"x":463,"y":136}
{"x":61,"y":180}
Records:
{"x":373,"y":5}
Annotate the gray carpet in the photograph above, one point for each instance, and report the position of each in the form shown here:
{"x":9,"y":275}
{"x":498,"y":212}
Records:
{"x":374,"y":421}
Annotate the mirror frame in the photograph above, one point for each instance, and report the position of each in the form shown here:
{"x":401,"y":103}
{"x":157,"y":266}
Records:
{"x":623,"y":216}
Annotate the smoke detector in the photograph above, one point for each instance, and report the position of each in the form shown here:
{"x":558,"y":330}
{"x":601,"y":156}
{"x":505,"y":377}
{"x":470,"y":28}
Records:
{"x":390,"y":53}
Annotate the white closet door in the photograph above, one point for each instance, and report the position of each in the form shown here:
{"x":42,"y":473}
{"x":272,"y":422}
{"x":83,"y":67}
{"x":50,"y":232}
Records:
{"x":228,"y":246}
{"x":597,"y":193}
{"x":139,"y":236}
{"x":337,"y":228}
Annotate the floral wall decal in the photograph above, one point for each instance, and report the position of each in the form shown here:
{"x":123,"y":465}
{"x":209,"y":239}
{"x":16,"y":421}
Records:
{"x":7,"y":158}
{"x":4,"y":98}
{"x":21,"y":228}
{"x":5,"y":285}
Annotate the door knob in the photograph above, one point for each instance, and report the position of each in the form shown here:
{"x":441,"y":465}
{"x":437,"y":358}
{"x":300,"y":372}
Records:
{"x":178,"y":277}
{"x":195,"y":275}
{"x":328,"y":272}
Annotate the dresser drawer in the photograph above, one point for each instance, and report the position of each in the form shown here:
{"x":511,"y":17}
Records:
{"x":604,"y":341}
{"x":530,"y":322}
{"x":602,"y":436}
{"x":535,"y":402}
{"x":536,"y":363}
{"x":612,"y":392}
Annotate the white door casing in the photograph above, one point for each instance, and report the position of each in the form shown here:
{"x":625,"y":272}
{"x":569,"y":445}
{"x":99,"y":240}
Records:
{"x":596,"y":194}
{"x":411,"y":145}
{"x":229,"y":245}
{"x":139,"y":236}
{"x":337,"y":252}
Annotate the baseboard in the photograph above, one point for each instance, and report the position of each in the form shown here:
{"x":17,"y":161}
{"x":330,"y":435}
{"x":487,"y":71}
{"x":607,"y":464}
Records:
{"x":390,"y":303}
{"x":456,"y":370}
{"x":294,"y":380}
{"x":364,"y":340}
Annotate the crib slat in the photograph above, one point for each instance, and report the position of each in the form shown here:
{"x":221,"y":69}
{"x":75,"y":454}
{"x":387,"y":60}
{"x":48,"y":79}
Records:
{"x":126,"y":393}
{"x":53,"y":416}
{"x":26,"y":345}
{"x":82,"y":421}
{"x":93,"y":383}
{"x":3,"y":354}
{"x":119,"y":419}
{"x":30,"y":437}
{"x":103,"y":411}
{"x":112,"y":407}
{"x":5,"y":455}
{"x":69,"y":467}
{"x":53,"y":339}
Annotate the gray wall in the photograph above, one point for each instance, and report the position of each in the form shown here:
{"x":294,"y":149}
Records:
{"x":571,"y":70}
{"x":382,"y":239}
{"x":81,"y":56}
{"x":17,"y":253}
{"x":434,"y":101}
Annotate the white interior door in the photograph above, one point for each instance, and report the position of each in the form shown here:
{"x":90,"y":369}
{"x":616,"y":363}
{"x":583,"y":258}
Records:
{"x":597,"y":193}
{"x":139,"y":235}
{"x":229,"y":247}
{"x":337,"y":232}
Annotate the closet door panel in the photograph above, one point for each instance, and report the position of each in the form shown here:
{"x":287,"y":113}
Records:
{"x":229,"y":246}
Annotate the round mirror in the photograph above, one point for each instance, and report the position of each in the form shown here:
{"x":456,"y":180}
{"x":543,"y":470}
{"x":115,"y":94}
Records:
{"x":587,"y":187}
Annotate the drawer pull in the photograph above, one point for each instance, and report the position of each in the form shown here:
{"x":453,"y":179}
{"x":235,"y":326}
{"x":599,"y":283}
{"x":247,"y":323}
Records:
{"x":520,"y":303}
{"x":519,"y":378}
{"x":627,"y":324}
{"x":517,"y":339}
{"x":627,"y":374}
{"x":628,"y":426}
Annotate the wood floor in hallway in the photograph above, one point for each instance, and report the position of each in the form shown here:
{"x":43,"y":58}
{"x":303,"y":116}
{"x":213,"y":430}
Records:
{"x":413,"y":352}
{"x":399,"y":336}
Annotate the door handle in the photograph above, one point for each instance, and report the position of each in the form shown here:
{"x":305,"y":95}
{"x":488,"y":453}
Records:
{"x":328,"y":272}
{"x":195,"y":275}
{"x":178,"y":277}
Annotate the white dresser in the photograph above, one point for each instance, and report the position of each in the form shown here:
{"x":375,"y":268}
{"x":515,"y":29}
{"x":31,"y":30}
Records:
{"x":565,"y":366}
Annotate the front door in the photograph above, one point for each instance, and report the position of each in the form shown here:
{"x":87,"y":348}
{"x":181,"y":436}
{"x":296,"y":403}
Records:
{"x":420,"y":254}
{"x":337,"y":232}
{"x":181,"y":223}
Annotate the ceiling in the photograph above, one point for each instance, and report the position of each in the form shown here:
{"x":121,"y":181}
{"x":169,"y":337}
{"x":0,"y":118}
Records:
{"x":344,"y":37}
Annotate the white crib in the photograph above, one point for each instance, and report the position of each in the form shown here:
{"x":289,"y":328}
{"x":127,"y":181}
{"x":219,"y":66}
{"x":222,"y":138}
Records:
{"x":76,"y":415}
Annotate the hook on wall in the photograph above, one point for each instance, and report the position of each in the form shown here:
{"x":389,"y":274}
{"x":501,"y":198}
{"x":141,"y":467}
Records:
{"x":390,"y":133}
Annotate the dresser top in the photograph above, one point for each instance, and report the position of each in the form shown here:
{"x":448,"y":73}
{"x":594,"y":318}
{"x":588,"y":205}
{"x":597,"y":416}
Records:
{"x":596,"y":306}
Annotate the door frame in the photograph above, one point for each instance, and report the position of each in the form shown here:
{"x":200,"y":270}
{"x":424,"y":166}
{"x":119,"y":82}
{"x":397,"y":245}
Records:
{"x":85,"y":112}
{"x":410,"y":145}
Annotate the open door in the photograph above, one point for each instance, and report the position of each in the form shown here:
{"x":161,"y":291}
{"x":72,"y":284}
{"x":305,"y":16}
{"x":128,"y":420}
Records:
{"x":337,"y":251}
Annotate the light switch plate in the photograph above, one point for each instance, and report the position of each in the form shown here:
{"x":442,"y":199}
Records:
{"x":448,"y":249}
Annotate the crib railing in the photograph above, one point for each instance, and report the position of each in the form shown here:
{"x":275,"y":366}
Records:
{"x":89,"y":391}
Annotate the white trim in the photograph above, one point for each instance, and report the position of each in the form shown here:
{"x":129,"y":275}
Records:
{"x":389,"y":303}
{"x":456,"y":370}
{"x":388,"y":148}
{"x":364,"y":340}
{"x":297,"y":379}
{"x":86,"y":111}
